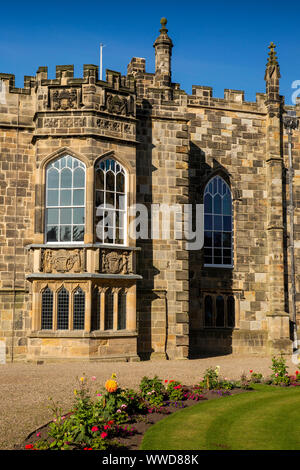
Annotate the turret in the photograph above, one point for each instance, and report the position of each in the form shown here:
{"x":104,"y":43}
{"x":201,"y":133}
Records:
{"x":163,"y":51}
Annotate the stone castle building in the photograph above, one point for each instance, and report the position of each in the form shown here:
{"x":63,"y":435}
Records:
{"x":69,"y":144}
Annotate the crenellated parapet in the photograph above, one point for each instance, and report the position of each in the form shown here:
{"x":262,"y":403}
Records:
{"x":66,"y":105}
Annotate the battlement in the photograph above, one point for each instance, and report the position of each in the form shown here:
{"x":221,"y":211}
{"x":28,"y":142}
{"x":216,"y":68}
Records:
{"x":65,"y":76}
{"x":233,"y":99}
{"x":29,"y":82}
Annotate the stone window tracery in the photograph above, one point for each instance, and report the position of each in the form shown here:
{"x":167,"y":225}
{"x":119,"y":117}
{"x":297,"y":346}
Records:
{"x":219,"y":310}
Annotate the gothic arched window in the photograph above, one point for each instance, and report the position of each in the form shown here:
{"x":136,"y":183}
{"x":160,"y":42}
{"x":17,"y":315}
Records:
{"x":78,"y":309}
{"x":109,"y":310}
{"x":220,"y":311}
{"x":208,"y":310}
{"x":47,"y":309}
{"x":230,"y":311}
{"x":110,"y":201}
{"x":63,"y":309}
{"x":218,"y":249}
{"x":121,"y":309}
{"x":65,"y":200}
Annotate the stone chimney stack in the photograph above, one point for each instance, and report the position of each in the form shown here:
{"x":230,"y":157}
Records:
{"x":163,"y":51}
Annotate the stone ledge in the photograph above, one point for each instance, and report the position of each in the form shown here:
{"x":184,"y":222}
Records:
{"x":78,"y":276}
{"x":82,"y":335}
{"x":59,"y":246}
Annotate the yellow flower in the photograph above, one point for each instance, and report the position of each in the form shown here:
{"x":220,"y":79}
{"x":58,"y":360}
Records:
{"x":111,"y":385}
{"x":75,"y":392}
{"x":82,"y":379}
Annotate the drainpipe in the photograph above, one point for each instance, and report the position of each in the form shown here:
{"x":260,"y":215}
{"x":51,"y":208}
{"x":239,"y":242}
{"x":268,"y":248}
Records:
{"x":290,"y":123}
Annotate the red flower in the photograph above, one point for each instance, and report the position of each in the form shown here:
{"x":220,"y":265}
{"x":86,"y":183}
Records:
{"x":87,"y":448}
{"x":166,"y":381}
{"x":103,"y":435}
{"x":250,"y":371}
{"x":110,"y":422}
{"x":29,"y":446}
{"x":95,"y":429}
{"x":297,"y":372}
{"x":107,"y":426}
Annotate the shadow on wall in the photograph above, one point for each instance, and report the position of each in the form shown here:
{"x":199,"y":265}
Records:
{"x":211,"y":289}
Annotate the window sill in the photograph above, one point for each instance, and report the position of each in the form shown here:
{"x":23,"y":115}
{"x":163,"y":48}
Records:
{"x":82,"y":245}
{"x":222,"y":266}
{"x":81,"y":334}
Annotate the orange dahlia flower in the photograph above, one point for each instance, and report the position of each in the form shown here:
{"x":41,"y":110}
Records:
{"x":111,"y":385}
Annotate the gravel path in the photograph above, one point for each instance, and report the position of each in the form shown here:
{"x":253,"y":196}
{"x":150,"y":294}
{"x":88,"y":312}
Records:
{"x":25,"y":389}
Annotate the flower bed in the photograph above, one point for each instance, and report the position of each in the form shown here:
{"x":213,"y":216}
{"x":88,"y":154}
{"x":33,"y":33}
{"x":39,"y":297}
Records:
{"x":118,"y":417}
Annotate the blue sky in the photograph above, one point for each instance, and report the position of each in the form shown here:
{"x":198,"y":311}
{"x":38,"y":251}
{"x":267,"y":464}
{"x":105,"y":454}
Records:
{"x":219,"y":44}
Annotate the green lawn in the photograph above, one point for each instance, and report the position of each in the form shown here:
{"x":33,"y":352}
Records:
{"x":265,"y":419}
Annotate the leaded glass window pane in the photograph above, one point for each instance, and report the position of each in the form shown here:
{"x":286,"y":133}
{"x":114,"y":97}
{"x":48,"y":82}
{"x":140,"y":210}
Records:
{"x":63,"y":309}
{"x":208,"y":311}
{"x":110,"y":179}
{"x":109,"y":310}
{"x":65,"y":200}
{"x":230,"y":311}
{"x":122,"y":310}
{"x":47,"y":309}
{"x":220,"y":311}
{"x":96,"y":305}
{"x":218,"y":223}
{"x":78,"y":309}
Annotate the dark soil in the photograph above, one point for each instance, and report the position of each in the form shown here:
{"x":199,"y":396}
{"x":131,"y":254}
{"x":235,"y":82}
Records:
{"x":141,"y":423}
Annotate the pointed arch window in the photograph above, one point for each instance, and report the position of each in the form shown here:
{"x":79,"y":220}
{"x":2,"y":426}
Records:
{"x":110,"y":202}
{"x":47,"y":309}
{"x":218,"y":232}
{"x":121,"y":309}
{"x":65,"y":200}
{"x":109,"y":310}
{"x":78,"y":309}
{"x":63,"y":309}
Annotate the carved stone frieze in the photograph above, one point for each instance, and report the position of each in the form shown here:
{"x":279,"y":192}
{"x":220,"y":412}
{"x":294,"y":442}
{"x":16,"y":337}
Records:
{"x":62,"y":261}
{"x":64,"y":122}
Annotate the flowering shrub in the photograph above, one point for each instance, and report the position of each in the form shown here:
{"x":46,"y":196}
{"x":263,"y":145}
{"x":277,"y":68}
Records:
{"x":295,"y":379}
{"x":211,"y":378}
{"x":255,"y":377}
{"x":119,"y":404}
{"x":174,"y":390}
{"x":153,"y":391}
{"x":226,"y":384}
{"x":195,"y":394}
{"x":280,"y":375}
